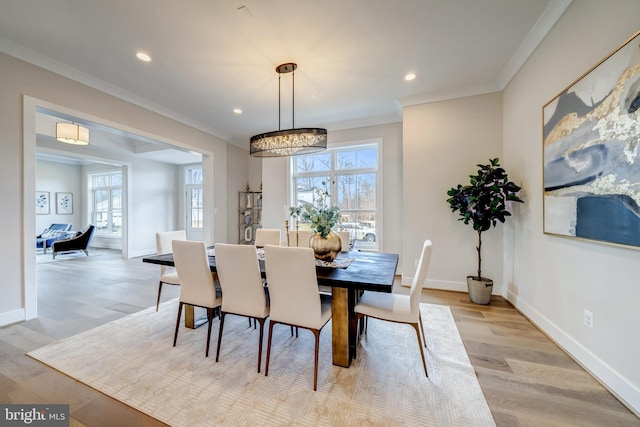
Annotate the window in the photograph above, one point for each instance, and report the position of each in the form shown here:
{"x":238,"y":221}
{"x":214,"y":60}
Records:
{"x":351,"y":174}
{"x":106,"y":191}
{"x":195,"y":208}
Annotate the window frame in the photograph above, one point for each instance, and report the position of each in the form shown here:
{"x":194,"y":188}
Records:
{"x":110,"y":211}
{"x":333,"y":173}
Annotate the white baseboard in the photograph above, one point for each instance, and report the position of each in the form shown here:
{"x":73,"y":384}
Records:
{"x":13,"y":316}
{"x":618,"y":385}
{"x":142,"y":253}
{"x":446,"y":285}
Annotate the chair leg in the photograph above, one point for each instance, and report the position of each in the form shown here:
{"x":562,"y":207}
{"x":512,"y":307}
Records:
{"x":175,"y":337}
{"x":159,"y":292}
{"x":210,"y":319}
{"x":315,"y":360}
{"x":249,"y":319}
{"x":424,"y":363}
{"x":260,"y":342}
{"x":86,"y":251}
{"x":220,"y":334}
{"x":266,"y":366}
{"x":422,"y":328}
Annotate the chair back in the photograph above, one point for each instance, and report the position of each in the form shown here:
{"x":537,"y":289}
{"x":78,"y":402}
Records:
{"x":293,"y":286}
{"x":163,"y":245}
{"x":60,"y":227}
{"x":344,"y":237}
{"x":267,"y":236}
{"x":192,"y":264}
{"x":420,"y":276}
{"x":304,"y":236}
{"x":239,"y":274}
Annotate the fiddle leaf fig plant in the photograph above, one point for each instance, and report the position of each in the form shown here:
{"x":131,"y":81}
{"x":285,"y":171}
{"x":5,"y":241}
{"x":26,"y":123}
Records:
{"x":483,"y":202}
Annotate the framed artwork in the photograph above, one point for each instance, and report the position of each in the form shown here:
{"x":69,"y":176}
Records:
{"x":64,"y":203}
{"x":591,"y":153}
{"x":42,"y":203}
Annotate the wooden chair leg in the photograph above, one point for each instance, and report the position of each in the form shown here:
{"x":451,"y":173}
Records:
{"x":175,"y":337}
{"x":210,"y":318}
{"x":424,"y":363}
{"x":266,"y":366}
{"x":260,"y":342}
{"x":220,"y":334}
{"x":159,"y":292}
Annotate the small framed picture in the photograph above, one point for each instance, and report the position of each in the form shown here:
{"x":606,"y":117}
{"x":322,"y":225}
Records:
{"x":42,"y":203}
{"x":64,"y":203}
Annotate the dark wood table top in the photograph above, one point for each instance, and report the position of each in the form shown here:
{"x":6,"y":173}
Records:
{"x":369,"y":271}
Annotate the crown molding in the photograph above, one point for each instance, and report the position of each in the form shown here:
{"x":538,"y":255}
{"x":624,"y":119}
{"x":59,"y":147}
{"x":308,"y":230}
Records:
{"x":20,"y":52}
{"x":539,"y":31}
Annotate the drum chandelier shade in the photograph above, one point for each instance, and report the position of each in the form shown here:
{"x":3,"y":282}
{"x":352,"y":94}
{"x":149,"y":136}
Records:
{"x":288,"y":142}
{"x":70,"y":133}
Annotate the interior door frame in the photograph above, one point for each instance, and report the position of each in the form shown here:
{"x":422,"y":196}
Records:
{"x":29,"y":108}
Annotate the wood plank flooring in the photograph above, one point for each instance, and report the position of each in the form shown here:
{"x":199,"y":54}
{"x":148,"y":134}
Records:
{"x":527,"y":380}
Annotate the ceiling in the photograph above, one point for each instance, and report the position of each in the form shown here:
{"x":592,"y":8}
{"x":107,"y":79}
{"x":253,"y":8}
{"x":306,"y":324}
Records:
{"x":209,"y":57}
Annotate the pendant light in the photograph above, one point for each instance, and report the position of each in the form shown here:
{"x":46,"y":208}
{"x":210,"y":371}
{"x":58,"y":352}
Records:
{"x":71,"y":133}
{"x":288,"y":142}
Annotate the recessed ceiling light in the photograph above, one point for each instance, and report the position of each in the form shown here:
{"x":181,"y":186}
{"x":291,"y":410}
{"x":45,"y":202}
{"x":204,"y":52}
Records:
{"x":410,"y":76}
{"x":237,"y":111}
{"x":143,"y":57}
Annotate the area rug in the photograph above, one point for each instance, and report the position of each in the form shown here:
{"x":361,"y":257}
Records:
{"x":133,"y":361}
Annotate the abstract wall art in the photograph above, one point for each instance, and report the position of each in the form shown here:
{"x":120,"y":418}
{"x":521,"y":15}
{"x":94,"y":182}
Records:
{"x":591,"y":152}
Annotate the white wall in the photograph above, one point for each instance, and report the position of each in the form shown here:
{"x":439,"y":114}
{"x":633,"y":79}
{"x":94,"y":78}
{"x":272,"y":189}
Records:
{"x":54,"y":178}
{"x":553,"y":279}
{"x":240,"y":166}
{"x":17,"y":120}
{"x":155,"y":205}
{"x":443,"y":142}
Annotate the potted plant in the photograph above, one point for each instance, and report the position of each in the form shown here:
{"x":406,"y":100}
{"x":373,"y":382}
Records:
{"x":322,"y":217}
{"x":482,"y":203}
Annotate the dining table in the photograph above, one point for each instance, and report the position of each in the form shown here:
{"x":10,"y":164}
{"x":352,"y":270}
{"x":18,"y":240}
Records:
{"x":365,"y":271}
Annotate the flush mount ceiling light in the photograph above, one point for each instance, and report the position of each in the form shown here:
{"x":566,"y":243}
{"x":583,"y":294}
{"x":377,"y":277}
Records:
{"x":70,"y":133}
{"x":288,"y":142}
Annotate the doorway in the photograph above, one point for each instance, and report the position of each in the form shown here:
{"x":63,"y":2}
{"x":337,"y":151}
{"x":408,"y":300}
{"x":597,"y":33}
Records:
{"x":31,"y":109}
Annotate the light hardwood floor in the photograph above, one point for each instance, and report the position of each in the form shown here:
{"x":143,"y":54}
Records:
{"x":526,"y":379}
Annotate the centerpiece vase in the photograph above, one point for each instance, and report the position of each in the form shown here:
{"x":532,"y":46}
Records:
{"x":326,"y":248}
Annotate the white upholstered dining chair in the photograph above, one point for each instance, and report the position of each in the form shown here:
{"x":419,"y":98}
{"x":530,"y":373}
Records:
{"x":399,"y":308}
{"x":163,"y":246}
{"x":301,"y":240}
{"x":197,"y":286}
{"x":244,"y":295}
{"x":267,"y":236}
{"x":345,"y":236}
{"x":293,"y":291}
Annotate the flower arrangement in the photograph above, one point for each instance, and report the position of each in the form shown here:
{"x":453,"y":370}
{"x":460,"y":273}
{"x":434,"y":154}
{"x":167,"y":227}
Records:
{"x":321,"y":214}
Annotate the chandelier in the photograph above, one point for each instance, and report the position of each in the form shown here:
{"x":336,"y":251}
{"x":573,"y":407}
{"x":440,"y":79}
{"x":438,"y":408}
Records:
{"x":288,"y":142}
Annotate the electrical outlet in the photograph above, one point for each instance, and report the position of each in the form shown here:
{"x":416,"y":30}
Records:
{"x":588,"y":319}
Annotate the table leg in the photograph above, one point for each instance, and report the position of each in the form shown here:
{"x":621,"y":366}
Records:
{"x":340,"y":327}
{"x":190,"y":320}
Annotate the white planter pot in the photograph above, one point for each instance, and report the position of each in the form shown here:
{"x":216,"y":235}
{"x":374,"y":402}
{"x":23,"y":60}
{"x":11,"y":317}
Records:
{"x":480,"y":290}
